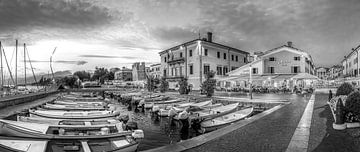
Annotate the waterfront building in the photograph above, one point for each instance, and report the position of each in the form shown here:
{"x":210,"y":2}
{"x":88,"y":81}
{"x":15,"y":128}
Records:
{"x":195,"y":58}
{"x":335,"y":71}
{"x":322,"y":73}
{"x":124,"y":74}
{"x":155,"y":70}
{"x":139,"y":71}
{"x":350,"y":63}
{"x":275,"y":68}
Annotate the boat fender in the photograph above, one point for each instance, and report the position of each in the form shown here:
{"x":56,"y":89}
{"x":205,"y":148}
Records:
{"x":138,"y":134}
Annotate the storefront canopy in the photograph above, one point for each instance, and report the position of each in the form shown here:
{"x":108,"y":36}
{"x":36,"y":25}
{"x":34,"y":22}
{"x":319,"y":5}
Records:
{"x":305,"y":76}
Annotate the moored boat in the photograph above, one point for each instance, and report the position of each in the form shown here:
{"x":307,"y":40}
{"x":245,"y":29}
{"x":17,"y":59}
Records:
{"x":222,"y":121}
{"x":72,"y":107}
{"x":46,"y":131}
{"x":208,"y":113}
{"x":12,"y":144}
{"x":85,"y":115}
{"x":104,"y":122}
{"x":71,"y":102}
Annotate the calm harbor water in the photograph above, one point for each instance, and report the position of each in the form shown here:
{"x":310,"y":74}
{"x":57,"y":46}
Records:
{"x":159,"y":131}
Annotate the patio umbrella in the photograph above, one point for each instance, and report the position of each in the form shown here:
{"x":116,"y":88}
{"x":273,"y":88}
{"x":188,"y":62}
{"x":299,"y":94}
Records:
{"x":305,"y":76}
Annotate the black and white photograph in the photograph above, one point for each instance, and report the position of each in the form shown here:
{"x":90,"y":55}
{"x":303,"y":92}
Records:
{"x":179,"y":76}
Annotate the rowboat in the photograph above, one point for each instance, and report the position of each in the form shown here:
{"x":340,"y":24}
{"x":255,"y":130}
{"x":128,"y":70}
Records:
{"x":71,"y":102}
{"x":104,"y":122}
{"x":169,"y":101}
{"x":208,"y":112}
{"x":164,"y":112}
{"x":118,"y":144}
{"x":12,"y":144}
{"x":89,"y":99}
{"x":72,"y":107}
{"x":85,"y":115}
{"x":46,"y":131}
{"x":222,"y":121}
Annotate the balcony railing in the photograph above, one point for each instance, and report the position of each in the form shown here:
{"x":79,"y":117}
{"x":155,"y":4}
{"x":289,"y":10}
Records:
{"x":175,"y":60}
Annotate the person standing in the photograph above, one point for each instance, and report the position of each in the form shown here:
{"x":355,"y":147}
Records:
{"x":330,"y":95}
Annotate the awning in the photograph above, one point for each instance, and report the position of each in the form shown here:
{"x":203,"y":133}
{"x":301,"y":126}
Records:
{"x":305,"y":76}
{"x":284,"y":77}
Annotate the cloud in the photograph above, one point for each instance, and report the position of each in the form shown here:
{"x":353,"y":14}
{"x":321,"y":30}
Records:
{"x":59,"y":61}
{"x":108,"y":56}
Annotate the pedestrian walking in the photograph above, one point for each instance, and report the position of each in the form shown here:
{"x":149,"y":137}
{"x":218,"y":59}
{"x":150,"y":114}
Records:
{"x":330,"y":95}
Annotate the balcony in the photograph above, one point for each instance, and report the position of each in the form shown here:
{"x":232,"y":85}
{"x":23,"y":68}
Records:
{"x":176,"y":60}
{"x":174,"y":78}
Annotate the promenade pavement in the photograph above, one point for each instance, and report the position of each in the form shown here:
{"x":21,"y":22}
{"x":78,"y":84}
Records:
{"x":323,"y":138}
{"x":271,"y":133}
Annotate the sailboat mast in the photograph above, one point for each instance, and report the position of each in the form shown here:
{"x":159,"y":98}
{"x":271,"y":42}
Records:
{"x":16,"y":52}
{"x":25,"y":63}
{"x":1,"y":67}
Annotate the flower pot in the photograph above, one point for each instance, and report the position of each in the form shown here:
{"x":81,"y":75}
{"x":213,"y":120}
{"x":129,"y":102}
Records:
{"x":352,"y":124}
{"x":339,"y":126}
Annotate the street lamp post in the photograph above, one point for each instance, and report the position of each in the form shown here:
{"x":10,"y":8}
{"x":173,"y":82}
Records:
{"x":250,"y":81}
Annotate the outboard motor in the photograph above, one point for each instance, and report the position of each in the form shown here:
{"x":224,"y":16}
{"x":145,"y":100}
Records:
{"x":124,"y":118}
{"x":138,"y":134}
{"x":155,"y":109}
{"x":131,"y":125}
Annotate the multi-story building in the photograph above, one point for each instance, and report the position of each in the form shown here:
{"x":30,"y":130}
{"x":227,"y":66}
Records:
{"x":138,"y":71}
{"x":322,"y":72}
{"x":124,"y":74}
{"x":335,"y":71}
{"x":350,"y":63}
{"x":195,"y":58}
{"x":276,"y":67}
{"x":155,"y":70}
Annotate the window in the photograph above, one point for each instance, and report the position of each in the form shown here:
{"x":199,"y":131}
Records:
{"x":295,"y":69}
{"x":244,"y":60}
{"x":218,"y":55}
{"x":190,"y":52}
{"x":237,"y":59}
{"x":164,"y":73}
{"x":219,"y":70}
{"x":272,"y":59}
{"x":225,"y":56}
{"x":297,"y":58}
{"x":255,"y":71}
{"x":206,"y":69}
{"x":180,"y":71}
{"x":168,"y":56}
{"x":355,"y":60}
{"x":191,"y":69}
{"x":172,"y":71}
{"x":232,"y":57}
{"x":271,"y":70}
{"x":181,"y":55}
{"x":165,"y":59}
{"x":206,"y":52}
{"x":176,"y":71}
{"x":225,"y":70}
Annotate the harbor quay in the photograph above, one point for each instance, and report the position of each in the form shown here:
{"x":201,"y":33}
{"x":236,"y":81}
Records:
{"x":273,"y":128}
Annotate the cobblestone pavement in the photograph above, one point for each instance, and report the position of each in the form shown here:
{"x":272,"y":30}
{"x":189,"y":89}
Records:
{"x":271,"y":133}
{"x":8,"y":111}
{"x":323,"y":138}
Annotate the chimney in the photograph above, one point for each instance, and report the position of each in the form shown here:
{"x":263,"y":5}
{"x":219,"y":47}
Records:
{"x":209,"y":36}
{"x":290,"y":44}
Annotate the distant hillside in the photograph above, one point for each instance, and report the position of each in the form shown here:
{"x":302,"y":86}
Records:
{"x":30,"y":78}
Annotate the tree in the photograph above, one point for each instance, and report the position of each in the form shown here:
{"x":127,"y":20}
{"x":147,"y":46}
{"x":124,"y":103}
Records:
{"x":164,"y":85}
{"x":151,"y":83}
{"x":67,"y":81}
{"x":82,"y":75}
{"x":344,"y":89}
{"x":100,"y":74}
{"x":183,"y":86}
{"x":208,"y":86}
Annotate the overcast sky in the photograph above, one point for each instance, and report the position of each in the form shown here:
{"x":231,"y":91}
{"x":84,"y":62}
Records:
{"x":116,"y":33}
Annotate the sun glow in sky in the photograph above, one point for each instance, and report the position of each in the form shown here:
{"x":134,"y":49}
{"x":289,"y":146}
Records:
{"x":116,"y":33}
